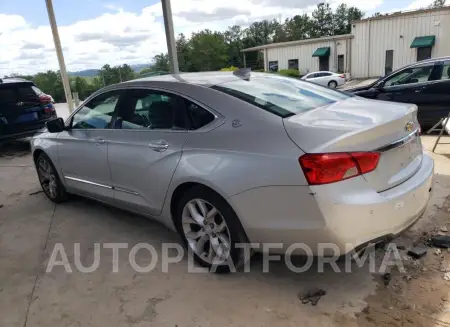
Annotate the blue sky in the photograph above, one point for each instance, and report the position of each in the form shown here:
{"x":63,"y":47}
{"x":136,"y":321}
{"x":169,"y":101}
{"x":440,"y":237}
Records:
{"x":70,"y":11}
{"x":96,"y":32}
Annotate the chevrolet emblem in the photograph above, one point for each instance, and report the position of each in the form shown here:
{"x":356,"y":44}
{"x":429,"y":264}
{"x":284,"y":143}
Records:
{"x":409,"y":126}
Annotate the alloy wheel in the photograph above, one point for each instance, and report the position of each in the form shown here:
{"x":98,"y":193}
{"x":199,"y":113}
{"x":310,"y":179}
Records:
{"x":206,"y":231}
{"x":47,"y":178}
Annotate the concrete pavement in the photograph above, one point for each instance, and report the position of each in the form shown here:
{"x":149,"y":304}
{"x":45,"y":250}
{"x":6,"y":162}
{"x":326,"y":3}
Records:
{"x":31,"y":226}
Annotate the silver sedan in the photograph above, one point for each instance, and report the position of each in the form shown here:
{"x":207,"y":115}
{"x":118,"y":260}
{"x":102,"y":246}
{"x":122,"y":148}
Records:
{"x":228,"y":158}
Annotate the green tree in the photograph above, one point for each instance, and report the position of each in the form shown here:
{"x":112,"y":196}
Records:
{"x":183,"y":53}
{"x":161,"y":62}
{"x":125,"y":72}
{"x":322,"y":18}
{"x":353,"y":14}
{"x":233,"y":40}
{"x":209,"y":51}
{"x":438,"y":4}
{"x":340,"y":19}
{"x":298,"y":27}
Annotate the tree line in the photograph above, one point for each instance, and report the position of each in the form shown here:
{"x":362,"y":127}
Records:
{"x":209,"y":50}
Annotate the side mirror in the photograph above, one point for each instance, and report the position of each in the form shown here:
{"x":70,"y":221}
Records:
{"x":379,"y":85}
{"x":55,"y":125}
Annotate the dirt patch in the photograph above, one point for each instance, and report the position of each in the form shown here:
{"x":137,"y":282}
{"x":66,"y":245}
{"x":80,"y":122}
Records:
{"x":419,"y":296}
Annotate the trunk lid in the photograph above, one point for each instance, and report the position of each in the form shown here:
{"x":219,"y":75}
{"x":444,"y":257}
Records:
{"x":358,"y":124}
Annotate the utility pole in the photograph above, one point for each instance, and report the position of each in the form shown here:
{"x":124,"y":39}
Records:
{"x":59,"y":54}
{"x":170,"y":38}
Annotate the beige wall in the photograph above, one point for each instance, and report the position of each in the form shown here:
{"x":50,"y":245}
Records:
{"x":306,"y":62}
{"x":372,"y":38}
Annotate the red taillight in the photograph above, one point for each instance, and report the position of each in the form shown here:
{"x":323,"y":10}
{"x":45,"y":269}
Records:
{"x":342,"y":76}
{"x":324,"y":168}
{"x":45,"y":98}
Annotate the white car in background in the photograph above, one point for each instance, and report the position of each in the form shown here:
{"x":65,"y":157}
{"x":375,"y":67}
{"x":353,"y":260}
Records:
{"x":330,"y":79}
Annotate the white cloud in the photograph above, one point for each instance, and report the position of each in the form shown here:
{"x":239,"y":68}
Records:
{"x":118,"y":36}
{"x":419,"y":4}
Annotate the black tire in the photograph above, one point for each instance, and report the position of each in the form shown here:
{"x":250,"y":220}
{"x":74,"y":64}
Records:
{"x":236,"y":232}
{"x":59,"y":195}
{"x":332,"y":84}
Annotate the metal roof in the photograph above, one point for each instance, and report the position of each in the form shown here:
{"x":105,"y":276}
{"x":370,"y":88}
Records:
{"x":299,"y":42}
{"x":401,"y":13}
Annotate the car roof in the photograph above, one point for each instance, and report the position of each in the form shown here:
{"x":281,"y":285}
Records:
{"x":15,"y":80}
{"x":427,"y":61}
{"x":202,"y":78}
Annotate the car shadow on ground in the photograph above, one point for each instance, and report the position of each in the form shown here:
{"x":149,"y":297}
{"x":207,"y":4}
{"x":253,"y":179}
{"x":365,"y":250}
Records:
{"x":91,"y":222}
{"x":16,"y":148}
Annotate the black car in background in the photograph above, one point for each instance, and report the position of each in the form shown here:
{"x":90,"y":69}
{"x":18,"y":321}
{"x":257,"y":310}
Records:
{"x":425,"y":83}
{"x":24,"y":109}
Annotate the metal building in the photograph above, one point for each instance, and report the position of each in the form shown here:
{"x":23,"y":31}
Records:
{"x":326,"y":53}
{"x":377,"y":45}
{"x":385,"y":43}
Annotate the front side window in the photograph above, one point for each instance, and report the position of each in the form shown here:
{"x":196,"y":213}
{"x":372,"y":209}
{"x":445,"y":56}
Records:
{"x":411,"y":75}
{"x":97,"y":113}
{"x":281,"y":96}
{"x":446,"y":71}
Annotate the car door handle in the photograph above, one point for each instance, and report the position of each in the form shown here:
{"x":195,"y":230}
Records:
{"x":420,"y":89}
{"x":158,"y":146}
{"x":98,"y":140}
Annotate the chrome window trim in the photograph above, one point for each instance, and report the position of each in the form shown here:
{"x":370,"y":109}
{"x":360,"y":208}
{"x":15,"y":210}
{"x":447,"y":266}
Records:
{"x":87,"y":182}
{"x":405,"y":140}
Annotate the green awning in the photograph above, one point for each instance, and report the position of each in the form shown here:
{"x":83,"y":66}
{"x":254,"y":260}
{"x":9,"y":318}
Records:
{"x":423,"y":41}
{"x":322,"y":52}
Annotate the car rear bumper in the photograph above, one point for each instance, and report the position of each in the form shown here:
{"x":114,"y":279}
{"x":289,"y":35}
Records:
{"x":348,"y":214}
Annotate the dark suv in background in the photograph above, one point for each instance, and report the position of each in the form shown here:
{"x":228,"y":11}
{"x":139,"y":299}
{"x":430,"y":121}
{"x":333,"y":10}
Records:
{"x":24,"y":109}
{"x":425,"y":83}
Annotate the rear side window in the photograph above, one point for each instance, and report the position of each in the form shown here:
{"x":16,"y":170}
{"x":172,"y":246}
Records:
{"x":152,"y":109}
{"x":198,"y":116}
{"x":26,"y":93}
{"x":281,"y":96}
{"x":7,"y":95}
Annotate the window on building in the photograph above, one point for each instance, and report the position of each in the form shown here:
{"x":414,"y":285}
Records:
{"x":389,"y":62}
{"x":273,"y":66}
{"x":341,"y":64}
{"x":293,"y":64}
{"x":423,"y":53}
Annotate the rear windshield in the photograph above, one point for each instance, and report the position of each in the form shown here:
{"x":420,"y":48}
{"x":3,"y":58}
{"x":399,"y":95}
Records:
{"x":282,"y":96}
